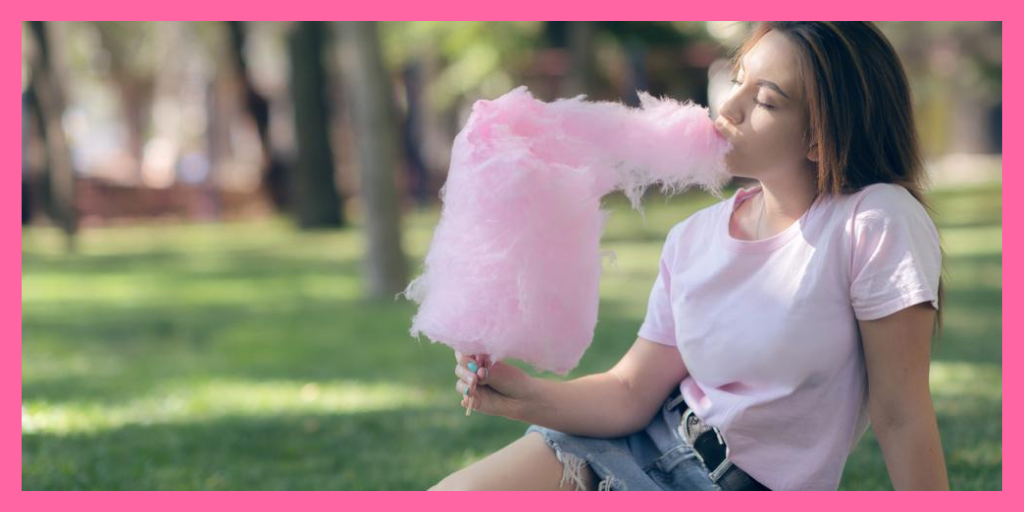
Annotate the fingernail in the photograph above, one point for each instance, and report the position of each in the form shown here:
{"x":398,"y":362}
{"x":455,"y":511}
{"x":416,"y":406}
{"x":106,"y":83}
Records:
{"x":466,"y":392}
{"x":487,"y":373}
{"x":472,"y":366}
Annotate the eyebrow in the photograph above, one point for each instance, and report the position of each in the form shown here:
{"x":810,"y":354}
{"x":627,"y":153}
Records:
{"x":770,"y":84}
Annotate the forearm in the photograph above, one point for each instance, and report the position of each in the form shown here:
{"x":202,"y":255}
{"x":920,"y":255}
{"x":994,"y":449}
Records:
{"x":913,"y":454}
{"x":597,"y":405}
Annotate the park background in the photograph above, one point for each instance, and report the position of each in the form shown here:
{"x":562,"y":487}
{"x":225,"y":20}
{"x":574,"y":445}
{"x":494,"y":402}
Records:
{"x":211,"y":246}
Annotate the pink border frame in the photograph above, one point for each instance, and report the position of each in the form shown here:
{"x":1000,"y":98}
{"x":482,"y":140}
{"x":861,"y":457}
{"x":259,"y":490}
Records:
{"x":10,"y":276}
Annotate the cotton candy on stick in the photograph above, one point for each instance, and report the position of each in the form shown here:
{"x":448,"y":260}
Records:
{"x":514,"y":264}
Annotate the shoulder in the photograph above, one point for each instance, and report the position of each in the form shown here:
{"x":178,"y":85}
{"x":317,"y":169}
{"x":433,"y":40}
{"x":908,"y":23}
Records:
{"x":880,"y":205}
{"x":885,"y":200}
{"x":882,"y":208}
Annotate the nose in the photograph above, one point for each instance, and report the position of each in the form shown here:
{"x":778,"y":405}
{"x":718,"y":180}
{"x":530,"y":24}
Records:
{"x":730,"y":112}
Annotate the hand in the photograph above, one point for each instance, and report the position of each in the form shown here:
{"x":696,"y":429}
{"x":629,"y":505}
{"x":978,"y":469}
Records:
{"x":498,"y":389}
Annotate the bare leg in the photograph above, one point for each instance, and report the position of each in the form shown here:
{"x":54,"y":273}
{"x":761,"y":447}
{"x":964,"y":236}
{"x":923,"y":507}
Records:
{"x":527,"y":464}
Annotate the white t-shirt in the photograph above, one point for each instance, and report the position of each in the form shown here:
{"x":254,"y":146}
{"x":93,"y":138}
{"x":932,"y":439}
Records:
{"x":768,"y":328}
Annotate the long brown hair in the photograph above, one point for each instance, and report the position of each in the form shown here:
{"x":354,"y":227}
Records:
{"x":859,"y":108}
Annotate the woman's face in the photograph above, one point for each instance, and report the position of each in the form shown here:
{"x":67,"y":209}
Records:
{"x":765,"y":115}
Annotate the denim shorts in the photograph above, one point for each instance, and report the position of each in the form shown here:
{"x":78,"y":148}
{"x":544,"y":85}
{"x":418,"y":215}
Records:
{"x":656,"y":458}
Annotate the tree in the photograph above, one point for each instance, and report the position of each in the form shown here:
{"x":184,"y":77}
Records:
{"x":48,"y":92}
{"x":371,"y":103}
{"x":315,"y":200}
{"x":582,"y":68}
{"x":274,"y":172}
{"x":131,"y":50}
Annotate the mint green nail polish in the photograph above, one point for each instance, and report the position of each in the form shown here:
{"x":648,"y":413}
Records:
{"x":472,"y":366}
{"x":466,"y":392}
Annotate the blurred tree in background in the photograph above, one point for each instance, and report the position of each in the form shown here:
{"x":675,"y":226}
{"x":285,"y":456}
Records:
{"x":330,"y":123}
{"x":47,"y":102}
{"x":373,"y":121}
{"x":313,"y":194}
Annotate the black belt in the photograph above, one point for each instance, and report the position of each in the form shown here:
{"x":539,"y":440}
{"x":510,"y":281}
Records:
{"x":709,"y":445}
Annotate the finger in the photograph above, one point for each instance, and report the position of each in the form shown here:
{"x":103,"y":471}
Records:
{"x":467,"y":376}
{"x":466,"y":390}
{"x":477,"y":400}
{"x":462,"y":388}
{"x":483,"y":370}
{"x":465,"y":359}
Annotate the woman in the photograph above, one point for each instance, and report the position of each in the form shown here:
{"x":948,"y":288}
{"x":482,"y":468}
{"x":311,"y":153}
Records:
{"x":774,"y":311}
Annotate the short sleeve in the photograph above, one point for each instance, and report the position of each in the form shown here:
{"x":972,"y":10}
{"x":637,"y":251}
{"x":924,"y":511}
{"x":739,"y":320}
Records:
{"x":896,"y":255}
{"x":658,"y":325}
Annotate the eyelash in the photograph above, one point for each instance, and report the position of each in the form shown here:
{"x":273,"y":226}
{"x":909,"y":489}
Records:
{"x":762,"y":105}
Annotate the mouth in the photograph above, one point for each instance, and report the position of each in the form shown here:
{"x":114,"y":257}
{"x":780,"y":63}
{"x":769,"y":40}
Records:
{"x":718,"y":132}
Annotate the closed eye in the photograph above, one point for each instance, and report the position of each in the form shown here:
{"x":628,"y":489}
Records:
{"x":758,"y":103}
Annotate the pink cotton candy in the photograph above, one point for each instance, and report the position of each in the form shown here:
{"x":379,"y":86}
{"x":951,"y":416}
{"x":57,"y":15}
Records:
{"x":514,"y":264}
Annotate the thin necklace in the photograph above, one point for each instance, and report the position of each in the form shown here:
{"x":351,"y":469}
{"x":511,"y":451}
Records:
{"x":757,"y":235}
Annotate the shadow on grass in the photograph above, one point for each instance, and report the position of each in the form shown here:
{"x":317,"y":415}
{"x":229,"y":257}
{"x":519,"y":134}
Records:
{"x":122,"y":356}
{"x":972,"y":444}
{"x":398,"y":449}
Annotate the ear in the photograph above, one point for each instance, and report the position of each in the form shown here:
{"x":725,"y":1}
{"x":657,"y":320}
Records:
{"x":812,"y":153}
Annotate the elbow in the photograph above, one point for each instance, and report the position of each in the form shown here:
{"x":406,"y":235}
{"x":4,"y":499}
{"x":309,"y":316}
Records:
{"x":894,"y":416}
{"x":636,"y":407}
{"x":887,"y":416}
{"x":631,"y":412}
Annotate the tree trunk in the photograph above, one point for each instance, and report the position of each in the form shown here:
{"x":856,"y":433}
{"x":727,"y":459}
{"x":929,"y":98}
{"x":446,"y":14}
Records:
{"x":371,"y":102}
{"x":49,"y":96}
{"x":315,"y":200}
{"x":134,"y":83}
{"x":274,"y":171}
{"x":412,"y":133}
{"x":581,"y":58}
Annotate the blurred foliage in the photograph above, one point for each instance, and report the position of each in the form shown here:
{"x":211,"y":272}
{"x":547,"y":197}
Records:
{"x":472,"y":53}
{"x":967,"y":53}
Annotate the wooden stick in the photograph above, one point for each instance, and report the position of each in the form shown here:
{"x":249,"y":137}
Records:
{"x":469,"y":408}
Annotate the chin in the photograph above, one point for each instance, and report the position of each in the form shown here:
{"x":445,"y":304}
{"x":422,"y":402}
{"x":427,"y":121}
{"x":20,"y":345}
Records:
{"x":733,"y":170}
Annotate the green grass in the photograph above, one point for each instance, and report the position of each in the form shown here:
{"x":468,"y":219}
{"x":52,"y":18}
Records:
{"x":242,"y":356}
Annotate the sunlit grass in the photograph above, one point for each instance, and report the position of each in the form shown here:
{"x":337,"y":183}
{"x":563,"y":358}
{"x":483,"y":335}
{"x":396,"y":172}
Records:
{"x":952,"y":382}
{"x":206,"y":400}
{"x":970,"y":241}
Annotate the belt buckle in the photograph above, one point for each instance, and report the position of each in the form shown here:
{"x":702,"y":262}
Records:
{"x":719,"y":472}
{"x":692,"y":428}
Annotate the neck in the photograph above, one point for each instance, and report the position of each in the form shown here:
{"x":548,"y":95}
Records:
{"x":785,"y":201}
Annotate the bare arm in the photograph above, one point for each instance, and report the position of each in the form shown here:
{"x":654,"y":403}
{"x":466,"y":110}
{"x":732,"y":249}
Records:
{"x":897,"y":353}
{"x":610,"y":404}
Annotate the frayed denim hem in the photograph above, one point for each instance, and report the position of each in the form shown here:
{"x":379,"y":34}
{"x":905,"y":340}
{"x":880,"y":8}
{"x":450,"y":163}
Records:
{"x":573,"y":467}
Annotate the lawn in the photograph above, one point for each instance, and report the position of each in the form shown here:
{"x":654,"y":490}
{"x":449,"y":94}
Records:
{"x":242,"y":356}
